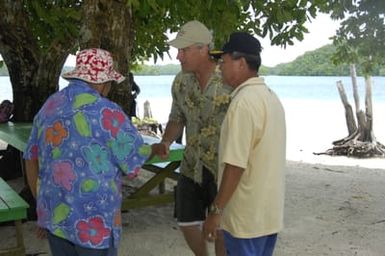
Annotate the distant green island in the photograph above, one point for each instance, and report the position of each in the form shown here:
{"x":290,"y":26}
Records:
{"x":312,"y":63}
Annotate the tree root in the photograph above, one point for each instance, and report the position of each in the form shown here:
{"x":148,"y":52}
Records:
{"x":354,"y":148}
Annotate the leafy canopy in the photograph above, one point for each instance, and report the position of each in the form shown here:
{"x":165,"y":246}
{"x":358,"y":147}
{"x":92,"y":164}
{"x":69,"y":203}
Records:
{"x":281,"y":20}
{"x":361,"y":37}
{"x":53,"y":22}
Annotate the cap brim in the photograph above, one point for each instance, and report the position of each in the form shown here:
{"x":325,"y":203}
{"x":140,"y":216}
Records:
{"x":180,"y":43}
{"x":216,"y":53}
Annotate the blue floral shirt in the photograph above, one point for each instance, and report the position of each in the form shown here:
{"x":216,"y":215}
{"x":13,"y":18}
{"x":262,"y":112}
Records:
{"x":84,"y":143}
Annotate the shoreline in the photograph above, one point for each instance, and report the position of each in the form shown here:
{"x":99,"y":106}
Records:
{"x":312,"y":126}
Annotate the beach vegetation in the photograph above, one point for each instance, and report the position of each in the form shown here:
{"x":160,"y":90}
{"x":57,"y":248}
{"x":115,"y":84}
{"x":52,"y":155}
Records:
{"x":47,"y":31}
{"x":360,"y":42}
{"x":318,"y":62}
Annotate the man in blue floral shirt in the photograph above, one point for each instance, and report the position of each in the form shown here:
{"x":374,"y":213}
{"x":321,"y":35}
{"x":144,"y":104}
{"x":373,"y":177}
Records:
{"x":80,"y":145}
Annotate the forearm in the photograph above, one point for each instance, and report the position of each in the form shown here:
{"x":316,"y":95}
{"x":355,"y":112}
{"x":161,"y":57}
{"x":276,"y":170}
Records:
{"x":32,"y":171}
{"x":172,"y":132}
{"x":230,"y":180}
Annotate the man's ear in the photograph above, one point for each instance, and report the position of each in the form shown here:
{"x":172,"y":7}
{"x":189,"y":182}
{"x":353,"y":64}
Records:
{"x":243,"y":63}
{"x":204,"y":50}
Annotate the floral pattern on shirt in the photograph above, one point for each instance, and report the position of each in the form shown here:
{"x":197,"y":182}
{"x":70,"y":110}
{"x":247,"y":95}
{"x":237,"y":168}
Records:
{"x":52,"y":105}
{"x":122,"y":145}
{"x":97,"y":157}
{"x":112,"y":120}
{"x":63,"y":175}
{"x":55,"y":134}
{"x":92,"y":231}
{"x":83,"y":146}
{"x":202,"y":114}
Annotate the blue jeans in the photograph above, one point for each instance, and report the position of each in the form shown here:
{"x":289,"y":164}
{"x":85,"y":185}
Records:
{"x":259,"y":246}
{"x":62,"y":247}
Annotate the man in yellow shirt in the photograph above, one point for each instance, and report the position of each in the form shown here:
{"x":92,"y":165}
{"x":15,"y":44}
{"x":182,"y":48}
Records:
{"x":252,"y":149}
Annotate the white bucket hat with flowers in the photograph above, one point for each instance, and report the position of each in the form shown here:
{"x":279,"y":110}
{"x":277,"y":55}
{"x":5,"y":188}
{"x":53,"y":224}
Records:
{"x":94,"y":66}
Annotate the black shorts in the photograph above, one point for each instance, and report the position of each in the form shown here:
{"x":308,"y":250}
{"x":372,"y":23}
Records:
{"x":192,"y":199}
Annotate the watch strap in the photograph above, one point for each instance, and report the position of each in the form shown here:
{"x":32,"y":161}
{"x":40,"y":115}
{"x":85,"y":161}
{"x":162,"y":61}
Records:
{"x":214,"y":209}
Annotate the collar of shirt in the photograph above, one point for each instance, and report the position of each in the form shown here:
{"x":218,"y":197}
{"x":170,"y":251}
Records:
{"x":254,"y":81}
{"x":84,"y":86}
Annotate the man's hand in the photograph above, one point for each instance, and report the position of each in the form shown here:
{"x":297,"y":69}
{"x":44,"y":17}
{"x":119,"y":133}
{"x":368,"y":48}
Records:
{"x":160,"y":149}
{"x":211,"y":226}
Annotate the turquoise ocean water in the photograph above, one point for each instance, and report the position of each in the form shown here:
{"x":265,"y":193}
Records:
{"x":157,"y":90}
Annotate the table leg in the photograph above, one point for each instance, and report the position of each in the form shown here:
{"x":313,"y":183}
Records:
{"x":142,"y":197}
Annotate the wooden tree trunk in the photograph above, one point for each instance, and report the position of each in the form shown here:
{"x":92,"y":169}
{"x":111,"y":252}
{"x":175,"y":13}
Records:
{"x":356,"y":96}
{"x":360,"y":115}
{"x":361,"y":142}
{"x":32,"y":84}
{"x":368,"y":131}
{"x":108,"y":25}
{"x":34,"y":74}
{"x":350,"y":121}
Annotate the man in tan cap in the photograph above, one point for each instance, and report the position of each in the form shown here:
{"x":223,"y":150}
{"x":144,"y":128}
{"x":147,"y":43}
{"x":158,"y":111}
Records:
{"x":200,"y":101}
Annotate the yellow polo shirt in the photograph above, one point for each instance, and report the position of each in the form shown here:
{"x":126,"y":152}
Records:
{"x":253,"y":137}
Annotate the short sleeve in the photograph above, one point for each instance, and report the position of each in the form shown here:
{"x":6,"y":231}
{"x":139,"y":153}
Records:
{"x":128,"y":149}
{"x":31,"y":150}
{"x":240,"y":131}
{"x":176,"y":113}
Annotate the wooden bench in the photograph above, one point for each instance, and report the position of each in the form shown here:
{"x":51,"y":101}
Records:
{"x":12,"y":208}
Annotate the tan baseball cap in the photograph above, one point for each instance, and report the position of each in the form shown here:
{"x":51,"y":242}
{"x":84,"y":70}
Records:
{"x":192,"y":32}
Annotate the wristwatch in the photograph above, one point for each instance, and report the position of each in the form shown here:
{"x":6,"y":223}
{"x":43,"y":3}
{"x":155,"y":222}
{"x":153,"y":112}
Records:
{"x":214,"y":209}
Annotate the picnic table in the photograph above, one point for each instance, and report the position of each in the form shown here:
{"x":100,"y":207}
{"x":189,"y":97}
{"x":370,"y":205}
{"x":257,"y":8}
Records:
{"x":17,"y":134}
{"x":12,"y":208}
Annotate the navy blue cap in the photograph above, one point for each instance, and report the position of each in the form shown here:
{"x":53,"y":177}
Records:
{"x":241,"y":42}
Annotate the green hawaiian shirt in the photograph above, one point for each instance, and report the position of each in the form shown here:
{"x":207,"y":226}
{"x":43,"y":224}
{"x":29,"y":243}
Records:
{"x":202,"y":114}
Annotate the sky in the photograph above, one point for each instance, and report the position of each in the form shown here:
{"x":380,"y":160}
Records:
{"x":320,"y":30}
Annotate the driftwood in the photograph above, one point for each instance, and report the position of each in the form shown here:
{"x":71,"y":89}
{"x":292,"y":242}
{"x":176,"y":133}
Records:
{"x":147,"y":113}
{"x":148,"y":125}
{"x":350,"y":122}
{"x":352,"y":147}
{"x":360,"y":141}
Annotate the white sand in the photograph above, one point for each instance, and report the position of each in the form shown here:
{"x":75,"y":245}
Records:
{"x":334,"y":205}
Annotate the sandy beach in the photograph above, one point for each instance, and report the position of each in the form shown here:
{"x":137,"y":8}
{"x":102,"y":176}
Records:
{"x":334,"y":205}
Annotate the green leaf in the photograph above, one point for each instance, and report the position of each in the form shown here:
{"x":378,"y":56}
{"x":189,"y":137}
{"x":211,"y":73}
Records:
{"x":89,"y":185}
{"x":59,"y":232}
{"x":145,"y":150}
{"x":56,"y":153}
{"x":83,"y":99}
{"x":81,"y":124}
{"x":60,"y":213}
